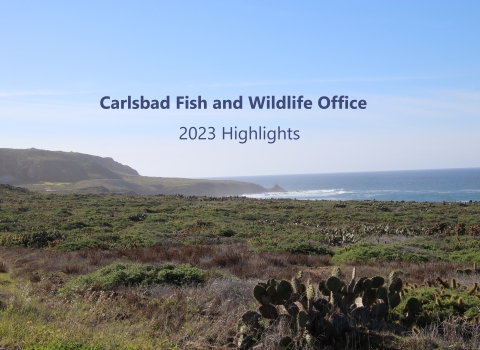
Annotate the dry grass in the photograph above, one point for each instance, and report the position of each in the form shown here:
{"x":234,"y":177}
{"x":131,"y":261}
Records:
{"x":200,"y":317}
{"x":72,"y":269}
{"x":3,"y":267}
{"x":449,"y":334}
{"x":236,"y":260}
{"x":413,"y":272}
{"x":161,"y":317}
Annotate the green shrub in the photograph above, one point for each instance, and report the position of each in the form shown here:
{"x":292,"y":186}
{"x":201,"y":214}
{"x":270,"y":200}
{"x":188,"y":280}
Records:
{"x":180,"y":274}
{"x":291,"y":244}
{"x":118,"y":274}
{"x":92,"y":241}
{"x":438,"y":305}
{"x":465,"y":256}
{"x":41,"y":239}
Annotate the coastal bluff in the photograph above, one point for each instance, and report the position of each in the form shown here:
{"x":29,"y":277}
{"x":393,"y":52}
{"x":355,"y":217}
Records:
{"x":71,"y":172}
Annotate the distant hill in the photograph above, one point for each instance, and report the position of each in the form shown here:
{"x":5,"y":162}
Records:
{"x":24,"y":166}
{"x":67,"y":172}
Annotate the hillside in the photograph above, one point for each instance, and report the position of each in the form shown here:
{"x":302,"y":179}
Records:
{"x":25,"y":166}
{"x":71,"y":172}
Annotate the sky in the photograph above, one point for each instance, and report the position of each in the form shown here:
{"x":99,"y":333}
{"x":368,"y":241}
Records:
{"x":415,"y":63}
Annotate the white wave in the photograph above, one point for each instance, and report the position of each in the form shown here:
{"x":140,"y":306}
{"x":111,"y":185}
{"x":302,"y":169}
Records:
{"x":301,"y":194}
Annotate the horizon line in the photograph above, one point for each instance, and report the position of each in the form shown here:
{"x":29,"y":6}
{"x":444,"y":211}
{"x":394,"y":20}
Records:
{"x":338,"y":172}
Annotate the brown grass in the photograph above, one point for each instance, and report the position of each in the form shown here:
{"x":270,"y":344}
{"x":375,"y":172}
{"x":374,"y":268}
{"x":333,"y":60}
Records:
{"x":238,"y":260}
{"x":72,"y":269}
{"x":413,"y":272}
{"x":448,"y":334}
{"x":3,"y":267}
{"x":205,"y":316}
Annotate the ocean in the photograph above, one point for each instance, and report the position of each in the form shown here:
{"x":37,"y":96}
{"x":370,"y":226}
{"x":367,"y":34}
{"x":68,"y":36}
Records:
{"x":408,"y":185}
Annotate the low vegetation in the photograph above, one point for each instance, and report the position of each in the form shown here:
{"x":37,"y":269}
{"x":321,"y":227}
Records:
{"x":121,"y":274}
{"x":174,"y":272}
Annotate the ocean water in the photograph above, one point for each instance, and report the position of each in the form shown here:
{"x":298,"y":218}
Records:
{"x":409,"y":185}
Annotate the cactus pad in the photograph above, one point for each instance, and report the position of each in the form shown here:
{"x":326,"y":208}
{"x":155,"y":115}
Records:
{"x":258,"y":292}
{"x":296,"y":284}
{"x":359,"y":286}
{"x":322,"y":287}
{"x":377,"y":282}
{"x":380,"y":310}
{"x":285,"y":342}
{"x":367,"y":284}
{"x":393,"y":299}
{"x":302,"y":319}
{"x":284,"y":290}
{"x":369,"y":297}
{"x":271,"y":291}
{"x":336,"y":298}
{"x":293,"y":310}
{"x":382,"y":294}
{"x":414,"y":305}
{"x":396,"y":285}
{"x":321,"y":305}
{"x":310,"y":292}
{"x":268,"y":311}
{"x":333,"y":284}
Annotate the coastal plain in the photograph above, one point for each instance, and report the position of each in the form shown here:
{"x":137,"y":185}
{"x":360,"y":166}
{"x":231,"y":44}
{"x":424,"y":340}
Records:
{"x":78,"y":267}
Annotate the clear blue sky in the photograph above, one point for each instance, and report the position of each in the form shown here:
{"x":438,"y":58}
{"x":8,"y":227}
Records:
{"x":415,"y":63}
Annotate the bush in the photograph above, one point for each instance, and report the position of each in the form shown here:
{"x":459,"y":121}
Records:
{"x":180,"y":274}
{"x":306,"y":248}
{"x":118,"y":274}
{"x":96,"y":241}
{"x":266,"y":244}
{"x":41,"y":239}
{"x":227,"y":233}
{"x":440,"y":306}
{"x":471,"y":255}
{"x":391,"y":252}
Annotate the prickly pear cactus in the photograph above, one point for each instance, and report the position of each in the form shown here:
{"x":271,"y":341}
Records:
{"x":322,"y":316}
{"x":249,"y":330}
